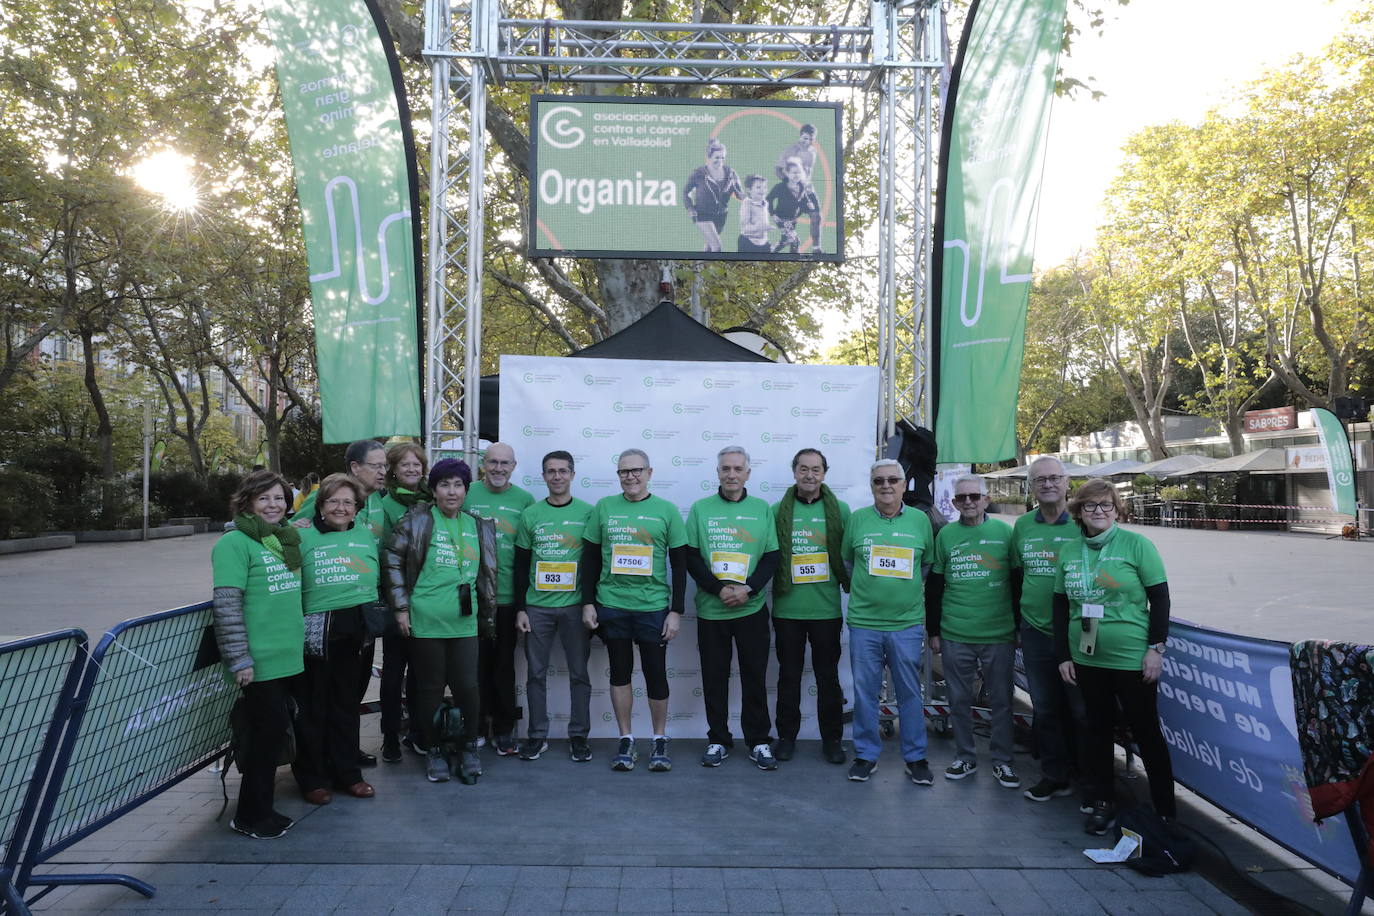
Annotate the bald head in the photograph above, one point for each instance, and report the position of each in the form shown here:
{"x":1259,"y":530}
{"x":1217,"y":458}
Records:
{"x":498,"y":464}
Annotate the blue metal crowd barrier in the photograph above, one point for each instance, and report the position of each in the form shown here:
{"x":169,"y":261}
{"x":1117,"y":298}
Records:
{"x":39,"y":678}
{"x":146,"y":709}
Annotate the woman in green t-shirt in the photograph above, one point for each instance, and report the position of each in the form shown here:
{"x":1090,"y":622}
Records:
{"x":1111,"y":618}
{"x":339,"y":575}
{"x":258,"y":626}
{"x":432,"y":561}
{"x":406,"y":487}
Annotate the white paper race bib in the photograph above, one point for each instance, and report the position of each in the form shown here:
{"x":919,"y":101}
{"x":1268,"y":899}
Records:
{"x":554,"y":577}
{"x":810,"y":568}
{"x":1091,"y":611}
{"x":892,"y":562}
{"x":632,"y":559}
{"x":729,"y":565}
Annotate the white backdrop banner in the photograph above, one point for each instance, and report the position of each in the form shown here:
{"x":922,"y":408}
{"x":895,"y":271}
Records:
{"x":682,"y":414}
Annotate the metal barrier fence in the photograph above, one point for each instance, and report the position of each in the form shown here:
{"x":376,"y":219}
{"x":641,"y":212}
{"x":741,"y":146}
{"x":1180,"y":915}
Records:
{"x":146,"y":709}
{"x":39,"y":676}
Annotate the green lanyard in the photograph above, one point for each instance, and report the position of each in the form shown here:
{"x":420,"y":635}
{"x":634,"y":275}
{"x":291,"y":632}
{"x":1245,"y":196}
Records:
{"x":1090,"y":588}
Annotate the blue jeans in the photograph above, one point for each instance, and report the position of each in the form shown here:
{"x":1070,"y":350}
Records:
{"x":1059,"y":716}
{"x":901,"y":651}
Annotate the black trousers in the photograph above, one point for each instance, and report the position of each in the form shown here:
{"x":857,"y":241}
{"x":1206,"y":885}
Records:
{"x":791,"y":637}
{"x":327,"y":723}
{"x":397,"y":673}
{"x":452,"y":663}
{"x":751,"y":635}
{"x":497,"y":667}
{"x":268,"y":720}
{"x":1102,"y":688}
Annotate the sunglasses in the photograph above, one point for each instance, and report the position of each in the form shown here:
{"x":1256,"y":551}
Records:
{"x":889,"y":481}
{"x":967,"y":497}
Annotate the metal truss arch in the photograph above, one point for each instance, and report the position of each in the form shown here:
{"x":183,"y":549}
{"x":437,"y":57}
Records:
{"x":898,"y":55}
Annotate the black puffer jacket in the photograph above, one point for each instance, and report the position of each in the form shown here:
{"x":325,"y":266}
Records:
{"x":405,"y":552}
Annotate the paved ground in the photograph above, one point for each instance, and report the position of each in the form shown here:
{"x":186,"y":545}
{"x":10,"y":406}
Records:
{"x":553,"y":836}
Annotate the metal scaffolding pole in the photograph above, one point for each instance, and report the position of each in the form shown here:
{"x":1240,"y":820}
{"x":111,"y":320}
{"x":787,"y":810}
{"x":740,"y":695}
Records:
{"x":468,"y":47}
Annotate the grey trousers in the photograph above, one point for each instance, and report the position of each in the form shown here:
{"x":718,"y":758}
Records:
{"x":961,"y":661}
{"x":566,"y":624}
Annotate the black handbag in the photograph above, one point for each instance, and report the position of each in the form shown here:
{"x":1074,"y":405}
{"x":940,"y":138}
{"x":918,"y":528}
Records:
{"x":378,"y":620}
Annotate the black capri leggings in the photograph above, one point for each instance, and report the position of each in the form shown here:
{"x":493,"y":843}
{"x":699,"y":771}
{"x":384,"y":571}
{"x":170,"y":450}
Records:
{"x":653,"y":659}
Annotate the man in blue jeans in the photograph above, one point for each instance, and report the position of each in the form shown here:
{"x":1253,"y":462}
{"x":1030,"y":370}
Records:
{"x":887,"y":547}
{"x":1037,"y":538}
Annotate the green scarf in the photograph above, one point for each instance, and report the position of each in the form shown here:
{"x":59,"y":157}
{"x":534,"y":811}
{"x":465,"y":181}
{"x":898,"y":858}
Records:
{"x":1098,"y":541}
{"x":409,"y":498}
{"x":834,"y":536}
{"x":283,"y":540}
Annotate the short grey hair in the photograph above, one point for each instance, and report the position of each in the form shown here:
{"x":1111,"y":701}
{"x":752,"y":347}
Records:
{"x":733,"y":450}
{"x":1030,"y":471}
{"x":885,"y":463}
{"x":973,"y":478}
{"x":636,"y":451}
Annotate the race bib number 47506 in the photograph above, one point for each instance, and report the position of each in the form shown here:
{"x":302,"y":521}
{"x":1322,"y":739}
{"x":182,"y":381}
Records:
{"x":892,"y":562}
{"x":632,"y":559}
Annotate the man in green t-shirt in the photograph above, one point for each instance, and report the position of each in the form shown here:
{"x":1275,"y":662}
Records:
{"x":1037,"y":539}
{"x":630,"y":539}
{"x":497,"y":498}
{"x":732,"y":552}
{"x":809,"y":522}
{"x":972,"y":617}
{"x":887,"y":547}
{"x":548,"y":553}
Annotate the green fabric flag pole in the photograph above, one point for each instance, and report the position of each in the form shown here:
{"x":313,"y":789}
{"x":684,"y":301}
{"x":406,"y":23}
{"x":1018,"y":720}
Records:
{"x":996,"y":118}
{"x":354,"y":157}
{"x":1340,"y":473}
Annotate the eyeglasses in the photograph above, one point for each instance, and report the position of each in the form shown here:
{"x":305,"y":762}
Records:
{"x":967,"y":497}
{"x":889,"y":481}
{"x":1048,"y":478}
{"x":499,"y":463}
{"x":379,"y":468}
{"x":340,"y":504}
{"x":557,"y":472}
{"x":1098,"y":507}
{"x":625,"y":473}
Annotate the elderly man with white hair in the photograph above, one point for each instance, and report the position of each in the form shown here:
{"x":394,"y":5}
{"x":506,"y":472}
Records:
{"x":887,"y":547}
{"x":732,"y":553}
{"x":973,"y":618}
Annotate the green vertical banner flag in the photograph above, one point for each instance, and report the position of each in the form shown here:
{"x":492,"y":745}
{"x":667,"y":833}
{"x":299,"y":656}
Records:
{"x":354,"y":160}
{"x":1340,"y":472}
{"x":992,"y":154}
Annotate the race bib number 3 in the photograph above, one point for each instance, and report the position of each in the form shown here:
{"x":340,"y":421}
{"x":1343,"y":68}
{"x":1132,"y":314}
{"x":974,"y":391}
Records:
{"x":892,"y":562}
{"x":809,"y":568}
{"x":554,"y":577}
{"x":632,"y":559}
{"x":729,"y":565}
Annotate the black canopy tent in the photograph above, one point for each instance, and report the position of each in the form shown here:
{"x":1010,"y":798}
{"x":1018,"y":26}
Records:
{"x":666,"y":333}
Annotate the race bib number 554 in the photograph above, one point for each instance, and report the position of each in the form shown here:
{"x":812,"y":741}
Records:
{"x":892,"y":562}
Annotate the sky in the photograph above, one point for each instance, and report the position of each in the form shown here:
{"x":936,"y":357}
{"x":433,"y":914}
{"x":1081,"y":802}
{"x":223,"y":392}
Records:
{"x":1158,"y":61}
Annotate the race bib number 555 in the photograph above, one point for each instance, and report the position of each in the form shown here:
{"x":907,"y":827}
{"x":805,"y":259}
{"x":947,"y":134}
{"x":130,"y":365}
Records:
{"x":892,"y":562}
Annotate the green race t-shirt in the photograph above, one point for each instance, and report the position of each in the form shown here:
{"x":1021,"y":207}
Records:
{"x":815,"y":591}
{"x":371,"y":516}
{"x":553,"y":535}
{"x":271,"y":604}
{"x":635,"y":538}
{"x":392,"y":511}
{"x":450,"y":562}
{"x":976,"y":561}
{"x":886,"y":591}
{"x":1125,"y":567}
{"x":1036,"y":544}
{"x":731,"y":538}
{"x":504,"y":508}
{"x":338,"y":569}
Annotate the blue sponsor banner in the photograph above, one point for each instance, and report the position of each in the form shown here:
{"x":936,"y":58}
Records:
{"x":1226,"y":710}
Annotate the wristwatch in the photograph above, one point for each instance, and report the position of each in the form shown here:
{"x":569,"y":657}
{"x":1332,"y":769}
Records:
{"x":1158,"y":647}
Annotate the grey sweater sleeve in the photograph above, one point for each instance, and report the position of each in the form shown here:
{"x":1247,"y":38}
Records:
{"x":230,"y":630}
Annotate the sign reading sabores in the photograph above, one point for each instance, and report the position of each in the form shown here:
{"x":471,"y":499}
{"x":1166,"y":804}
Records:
{"x":1271,"y":420}
{"x":685,"y":178}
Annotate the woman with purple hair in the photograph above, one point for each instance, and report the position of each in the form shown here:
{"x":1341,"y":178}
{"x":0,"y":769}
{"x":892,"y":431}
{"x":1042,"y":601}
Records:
{"x":441,"y":584}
